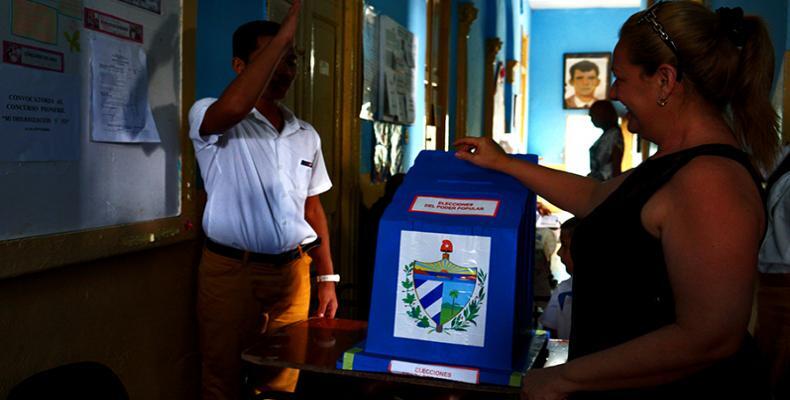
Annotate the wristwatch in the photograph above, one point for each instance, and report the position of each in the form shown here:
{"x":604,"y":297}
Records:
{"x":327,"y":278}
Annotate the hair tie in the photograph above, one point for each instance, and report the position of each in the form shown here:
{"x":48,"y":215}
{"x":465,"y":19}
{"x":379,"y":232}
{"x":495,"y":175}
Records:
{"x":731,"y":20}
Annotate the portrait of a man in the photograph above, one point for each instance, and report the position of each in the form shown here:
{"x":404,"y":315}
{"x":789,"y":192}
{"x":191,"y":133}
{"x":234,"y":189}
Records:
{"x":586,"y":79}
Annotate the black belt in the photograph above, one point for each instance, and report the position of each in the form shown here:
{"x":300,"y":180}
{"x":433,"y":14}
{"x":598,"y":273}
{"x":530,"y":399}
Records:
{"x":276,"y":259}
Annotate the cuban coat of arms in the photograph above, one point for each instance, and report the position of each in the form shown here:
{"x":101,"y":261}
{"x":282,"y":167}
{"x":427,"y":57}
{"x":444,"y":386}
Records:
{"x":442,"y":287}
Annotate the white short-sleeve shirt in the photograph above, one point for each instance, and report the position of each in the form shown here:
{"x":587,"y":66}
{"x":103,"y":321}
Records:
{"x":557,"y":315}
{"x":775,"y":250}
{"x":258,"y":179}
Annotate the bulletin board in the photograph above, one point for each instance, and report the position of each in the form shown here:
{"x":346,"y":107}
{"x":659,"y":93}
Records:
{"x":95,"y":158}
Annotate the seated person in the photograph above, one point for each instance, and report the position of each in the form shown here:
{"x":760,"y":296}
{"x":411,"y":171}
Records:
{"x":557,"y":317}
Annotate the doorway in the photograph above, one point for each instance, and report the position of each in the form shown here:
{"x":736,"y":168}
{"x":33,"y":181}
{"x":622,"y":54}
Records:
{"x":326,"y":46}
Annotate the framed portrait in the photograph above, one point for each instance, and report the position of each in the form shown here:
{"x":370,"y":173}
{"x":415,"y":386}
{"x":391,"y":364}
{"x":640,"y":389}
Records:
{"x":585,"y":78}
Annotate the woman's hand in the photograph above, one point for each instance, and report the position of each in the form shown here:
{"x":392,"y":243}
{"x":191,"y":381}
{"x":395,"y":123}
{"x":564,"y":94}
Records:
{"x":482,"y":152}
{"x":544,"y":384}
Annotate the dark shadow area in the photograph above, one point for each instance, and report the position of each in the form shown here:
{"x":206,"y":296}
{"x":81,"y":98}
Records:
{"x":368,"y":234}
{"x":82,"y":380}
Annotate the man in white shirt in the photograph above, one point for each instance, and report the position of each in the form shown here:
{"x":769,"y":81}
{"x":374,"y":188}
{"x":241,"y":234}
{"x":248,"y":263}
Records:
{"x":263,"y":171}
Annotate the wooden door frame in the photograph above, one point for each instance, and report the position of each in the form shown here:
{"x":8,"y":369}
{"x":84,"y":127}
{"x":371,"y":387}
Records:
{"x":442,"y":80}
{"x":346,"y":141}
{"x":524,"y":71}
{"x":493,"y":45}
{"x":467,"y":13}
{"x":349,"y":143}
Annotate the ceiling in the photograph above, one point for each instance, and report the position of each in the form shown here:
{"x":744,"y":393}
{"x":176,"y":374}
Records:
{"x":543,"y":4}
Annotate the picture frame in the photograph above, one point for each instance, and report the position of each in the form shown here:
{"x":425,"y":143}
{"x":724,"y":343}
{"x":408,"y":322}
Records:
{"x":586,"y":77}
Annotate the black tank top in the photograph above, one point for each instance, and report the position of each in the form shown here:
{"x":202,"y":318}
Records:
{"x":621,"y":287}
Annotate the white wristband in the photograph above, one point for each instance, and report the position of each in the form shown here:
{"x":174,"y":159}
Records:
{"x":327,"y":278}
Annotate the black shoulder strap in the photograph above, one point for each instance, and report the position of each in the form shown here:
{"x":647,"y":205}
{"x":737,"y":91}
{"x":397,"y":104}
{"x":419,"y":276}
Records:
{"x":732,"y":153}
{"x":735,"y":154}
{"x":661,"y":170}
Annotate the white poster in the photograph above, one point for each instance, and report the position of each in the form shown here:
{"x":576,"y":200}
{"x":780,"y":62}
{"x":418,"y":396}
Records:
{"x":442,"y":287}
{"x":39,"y":114}
{"x":120,"y":111}
{"x":370,"y":63}
{"x":397,"y":72}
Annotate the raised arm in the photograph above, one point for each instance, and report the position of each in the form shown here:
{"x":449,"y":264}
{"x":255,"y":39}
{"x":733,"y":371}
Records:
{"x":574,"y":193}
{"x":244,"y":91}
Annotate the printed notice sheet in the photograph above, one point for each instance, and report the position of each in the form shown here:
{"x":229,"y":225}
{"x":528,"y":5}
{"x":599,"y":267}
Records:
{"x":120,"y":111}
{"x":397,"y":71}
{"x":39,"y":114}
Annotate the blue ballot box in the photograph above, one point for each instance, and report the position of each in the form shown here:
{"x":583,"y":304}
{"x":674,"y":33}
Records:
{"x":451,"y":292}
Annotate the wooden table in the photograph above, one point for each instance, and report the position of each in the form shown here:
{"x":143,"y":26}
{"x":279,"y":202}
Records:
{"x":316,"y":344}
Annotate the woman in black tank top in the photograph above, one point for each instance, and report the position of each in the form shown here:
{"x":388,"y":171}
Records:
{"x":665,"y":317}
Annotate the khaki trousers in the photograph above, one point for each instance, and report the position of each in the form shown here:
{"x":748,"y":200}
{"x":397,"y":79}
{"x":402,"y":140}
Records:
{"x":238,"y":301}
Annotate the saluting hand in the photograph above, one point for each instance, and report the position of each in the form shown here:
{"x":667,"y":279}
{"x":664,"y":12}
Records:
{"x":482,"y":152}
{"x":288,"y":26}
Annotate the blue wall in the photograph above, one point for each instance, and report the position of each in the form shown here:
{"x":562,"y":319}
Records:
{"x":216,"y":22}
{"x":525,"y":19}
{"x":555,"y":32}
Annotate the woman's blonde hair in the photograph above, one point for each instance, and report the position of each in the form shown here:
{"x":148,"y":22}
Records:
{"x":725,"y":57}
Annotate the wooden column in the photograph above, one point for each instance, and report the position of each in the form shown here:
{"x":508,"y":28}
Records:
{"x":467,"y":13}
{"x":444,"y":80}
{"x":492,"y":48}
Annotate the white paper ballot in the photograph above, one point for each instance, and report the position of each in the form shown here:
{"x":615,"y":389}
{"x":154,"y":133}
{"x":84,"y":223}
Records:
{"x":120,"y":111}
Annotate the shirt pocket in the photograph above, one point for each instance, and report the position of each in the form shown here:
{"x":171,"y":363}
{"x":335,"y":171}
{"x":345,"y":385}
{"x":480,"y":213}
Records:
{"x":300,"y":175}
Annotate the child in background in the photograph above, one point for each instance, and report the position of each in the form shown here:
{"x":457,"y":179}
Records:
{"x":557,"y":317}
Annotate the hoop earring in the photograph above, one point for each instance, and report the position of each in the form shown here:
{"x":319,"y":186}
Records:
{"x":661,"y":102}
